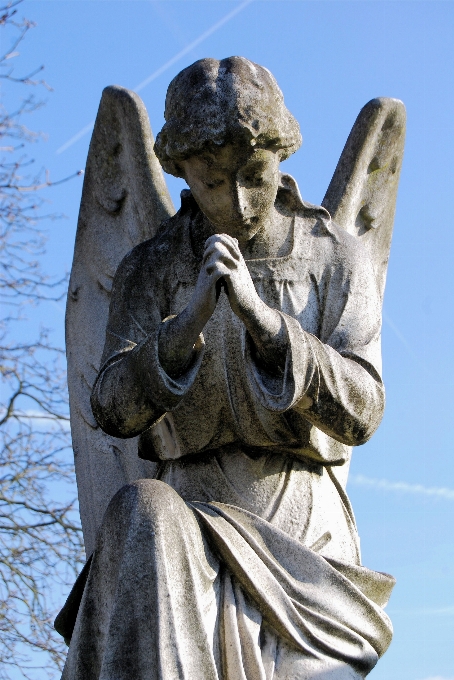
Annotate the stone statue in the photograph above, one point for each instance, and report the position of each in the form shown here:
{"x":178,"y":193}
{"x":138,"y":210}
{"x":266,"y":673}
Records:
{"x":237,"y":365}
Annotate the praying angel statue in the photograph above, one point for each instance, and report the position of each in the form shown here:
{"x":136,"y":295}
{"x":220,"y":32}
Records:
{"x":223,"y":360}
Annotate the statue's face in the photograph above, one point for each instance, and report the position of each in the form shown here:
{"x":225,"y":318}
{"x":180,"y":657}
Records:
{"x":235,"y":186}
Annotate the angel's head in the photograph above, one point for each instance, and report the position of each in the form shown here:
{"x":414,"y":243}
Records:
{"x":227,"y":129}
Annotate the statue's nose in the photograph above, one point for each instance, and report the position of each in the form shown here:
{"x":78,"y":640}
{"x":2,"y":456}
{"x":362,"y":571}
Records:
{"x":239,"y":200}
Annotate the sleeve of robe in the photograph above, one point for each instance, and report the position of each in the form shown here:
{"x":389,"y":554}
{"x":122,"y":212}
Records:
{"x":333,"y":380}
{"x":132,"y":390}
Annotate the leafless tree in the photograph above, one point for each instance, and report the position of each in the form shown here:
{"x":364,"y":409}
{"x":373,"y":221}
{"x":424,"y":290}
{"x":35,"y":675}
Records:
{"x":40,"y":538}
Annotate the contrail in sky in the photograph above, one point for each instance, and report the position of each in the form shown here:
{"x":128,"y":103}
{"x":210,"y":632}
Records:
{"x":385,"y":485}
{"x":164,"y":67}
{"x":191,"y":46}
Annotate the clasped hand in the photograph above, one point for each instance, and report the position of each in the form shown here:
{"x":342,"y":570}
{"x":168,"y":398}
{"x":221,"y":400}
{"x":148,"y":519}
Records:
{"x":223,"y":262}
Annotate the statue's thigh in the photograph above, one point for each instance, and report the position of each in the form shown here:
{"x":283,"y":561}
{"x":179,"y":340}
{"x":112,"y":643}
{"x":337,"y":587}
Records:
{"x":150,"y":519}
{"x":152,"y":587}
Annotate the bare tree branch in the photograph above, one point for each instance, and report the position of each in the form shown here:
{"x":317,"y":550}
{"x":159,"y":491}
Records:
{"x":40,"y":538}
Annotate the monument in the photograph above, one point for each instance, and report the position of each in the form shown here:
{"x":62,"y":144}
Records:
{"x":222,"y":363}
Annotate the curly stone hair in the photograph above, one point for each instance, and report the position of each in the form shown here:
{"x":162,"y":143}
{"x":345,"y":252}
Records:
{"x":212,"y":103}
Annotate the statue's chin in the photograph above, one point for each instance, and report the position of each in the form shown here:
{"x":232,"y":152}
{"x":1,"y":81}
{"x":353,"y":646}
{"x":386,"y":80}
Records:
{"x":243,"y":231}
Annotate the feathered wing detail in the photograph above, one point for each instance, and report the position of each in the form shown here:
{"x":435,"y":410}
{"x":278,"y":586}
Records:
{"x":124,"y":199}
{"x":362,"y":194}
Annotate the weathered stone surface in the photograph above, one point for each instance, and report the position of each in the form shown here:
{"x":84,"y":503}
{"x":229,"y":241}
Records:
{"x":124,"y":199}
{"x":365,"y":207}
{"x":242,"y":347}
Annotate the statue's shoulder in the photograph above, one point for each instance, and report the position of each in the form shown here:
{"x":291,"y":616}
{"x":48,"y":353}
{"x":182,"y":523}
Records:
{"x":348,"y":249}
{"x":314,"y":220}
{"x":154,"y":257}
{"x":334,"y":246}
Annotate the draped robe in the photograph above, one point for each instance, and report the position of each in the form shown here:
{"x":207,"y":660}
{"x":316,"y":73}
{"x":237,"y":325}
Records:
{"x":241,"y":560}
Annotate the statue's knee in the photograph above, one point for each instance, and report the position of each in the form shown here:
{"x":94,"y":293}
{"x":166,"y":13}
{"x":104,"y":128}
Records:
{"x":150,"y":498}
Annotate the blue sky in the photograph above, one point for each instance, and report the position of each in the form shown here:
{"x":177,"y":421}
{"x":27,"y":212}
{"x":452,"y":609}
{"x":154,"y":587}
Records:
{"x":329,"y":58}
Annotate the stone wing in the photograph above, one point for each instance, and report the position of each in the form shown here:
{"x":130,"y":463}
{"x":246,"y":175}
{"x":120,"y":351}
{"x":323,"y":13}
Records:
{"x":124,"y":199}
{"x":362,"y":194}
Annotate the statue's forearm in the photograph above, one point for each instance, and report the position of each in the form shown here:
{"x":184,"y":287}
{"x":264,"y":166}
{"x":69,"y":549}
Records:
{"x":343,"y":396}
{"x":269,"y":334}
{"x":178,"y":337}
{"x":134,"y":388}
{"x":121,"y":399}
{"x":346,"y":401}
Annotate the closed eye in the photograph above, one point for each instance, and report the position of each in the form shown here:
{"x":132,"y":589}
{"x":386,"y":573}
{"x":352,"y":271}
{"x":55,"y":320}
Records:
{"x":255,"y":180}
{"x":214,"y":184}
{"x":253,"y":176}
